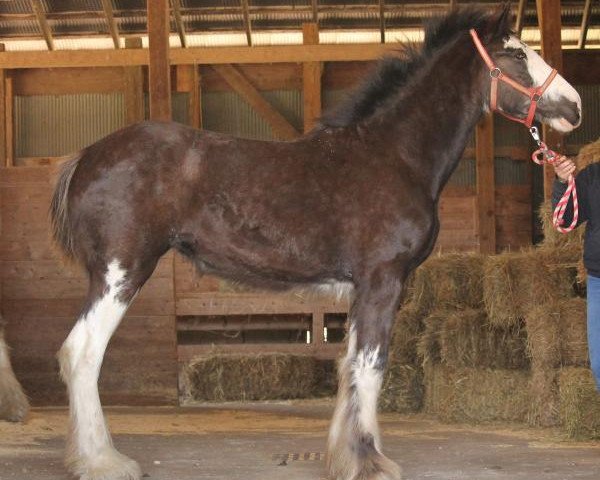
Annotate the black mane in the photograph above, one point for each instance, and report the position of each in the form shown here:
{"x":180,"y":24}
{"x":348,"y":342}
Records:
{"x":393,"y":73}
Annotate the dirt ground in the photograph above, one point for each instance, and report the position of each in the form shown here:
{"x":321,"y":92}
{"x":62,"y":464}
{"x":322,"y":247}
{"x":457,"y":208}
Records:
{"x":286,"y":441}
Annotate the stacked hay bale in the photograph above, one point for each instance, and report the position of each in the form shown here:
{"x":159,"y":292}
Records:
{"x":471,"y":369}
{"x":219,"y":378}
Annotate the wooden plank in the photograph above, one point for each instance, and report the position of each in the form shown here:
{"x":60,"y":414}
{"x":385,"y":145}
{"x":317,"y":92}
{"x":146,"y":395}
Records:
{"x":252,"y":303}
{"x":67,"y":81}
{"x":585,"y":23}
{"x":188,"y":80}
{"x":264,"y":77}
{"x":484,"y":156}
{"x":382,"y":21}
{"x":311,"y":79}
{"x":520,"y":20}
{"x":179,"y":22}
{"x":9,"y":121}
{"x":112,"y":25}
{"x":281,"y":127}
{"x":3,"y":135}
{"x":247,"y":22}
{"x":159,"y":76}
{"x":549,"y":16}
{"x":40,"y":14}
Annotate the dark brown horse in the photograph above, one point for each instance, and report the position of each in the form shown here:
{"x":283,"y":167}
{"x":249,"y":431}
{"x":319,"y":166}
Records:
{"x":352,"y":202}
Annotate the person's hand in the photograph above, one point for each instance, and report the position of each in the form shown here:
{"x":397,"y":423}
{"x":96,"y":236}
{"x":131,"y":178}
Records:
{"x":564,"y":167}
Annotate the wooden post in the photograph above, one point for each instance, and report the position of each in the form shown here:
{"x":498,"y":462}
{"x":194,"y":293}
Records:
{"x":486,"y":185}
{"x":134,"y":87}
{"x":3,"y":157}
{"x":311,"y":79}
{"x":159,"y":76}
{"x":551,"y":43}
{"x":188,"y":80}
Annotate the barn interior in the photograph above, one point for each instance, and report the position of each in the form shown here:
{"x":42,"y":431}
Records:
{"x":489,"y":374}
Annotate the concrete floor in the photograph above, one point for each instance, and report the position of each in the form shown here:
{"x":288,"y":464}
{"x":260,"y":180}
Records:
{"x":284,"y":441}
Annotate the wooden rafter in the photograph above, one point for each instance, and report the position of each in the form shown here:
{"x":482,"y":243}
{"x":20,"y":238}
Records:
{"x":314,"y":6}
{"x":520,"y":17}
{"x":247,"y":23}
{"x":585,"y":23}
{"x":110,"y":19}
{"x":179,"y":22}
{"x":40,"y":15}
{"x":382,"y":20}
{"x":281,"y":127}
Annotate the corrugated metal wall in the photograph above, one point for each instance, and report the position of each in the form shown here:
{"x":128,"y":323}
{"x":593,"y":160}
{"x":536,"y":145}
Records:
{"x":55,"y":125}
{"x":227,"y":112}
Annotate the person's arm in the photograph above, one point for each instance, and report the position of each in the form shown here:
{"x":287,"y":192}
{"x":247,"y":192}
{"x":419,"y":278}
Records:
{"x":564,"y":167}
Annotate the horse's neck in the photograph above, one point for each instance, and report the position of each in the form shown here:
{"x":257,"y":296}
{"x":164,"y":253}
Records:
{"x":434,"y":120}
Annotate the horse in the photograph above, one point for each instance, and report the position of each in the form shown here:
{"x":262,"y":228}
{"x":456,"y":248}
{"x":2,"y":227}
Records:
{"x":352,"y":202}
{"x":13,"y":401}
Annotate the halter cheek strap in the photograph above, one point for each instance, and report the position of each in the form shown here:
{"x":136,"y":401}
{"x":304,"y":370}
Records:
{"x":534,"y":93}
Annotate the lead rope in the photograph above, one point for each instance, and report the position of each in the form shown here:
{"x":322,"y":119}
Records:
{"x":545,"y":155}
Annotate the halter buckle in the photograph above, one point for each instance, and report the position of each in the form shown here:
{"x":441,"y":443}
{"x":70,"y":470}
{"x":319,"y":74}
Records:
{"x":495,"y":72}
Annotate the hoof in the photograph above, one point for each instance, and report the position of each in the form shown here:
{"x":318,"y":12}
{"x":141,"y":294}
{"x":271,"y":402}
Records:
{"x":108,"y":465}
{"x":13,"y":402}
{"x":372,"y":467}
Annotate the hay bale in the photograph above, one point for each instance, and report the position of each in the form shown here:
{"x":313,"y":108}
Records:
{"x":468,"y":340}
{"x":544,"y":401}
{"x":450,"y":280}
{"x":464,"y":338}
{"x":405,"y":334}
{"x":476,"y":395}
{"x":557,"y":333}
{"x":220,"y":378}
{"x":579,"y":403}
{"x":402,"y":390}
{"x":515,"y":282}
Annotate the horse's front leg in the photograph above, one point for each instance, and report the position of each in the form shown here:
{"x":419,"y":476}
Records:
{"x":354,"y":447}
{"x":13,"y":402}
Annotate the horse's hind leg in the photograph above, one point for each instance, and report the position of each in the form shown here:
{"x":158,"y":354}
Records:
{"x":354,"y":446}
{"x":90,"y":453}
{"x":13,"y":402}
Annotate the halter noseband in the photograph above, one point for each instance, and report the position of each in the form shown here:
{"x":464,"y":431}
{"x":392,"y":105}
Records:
{"x":534,"y":93}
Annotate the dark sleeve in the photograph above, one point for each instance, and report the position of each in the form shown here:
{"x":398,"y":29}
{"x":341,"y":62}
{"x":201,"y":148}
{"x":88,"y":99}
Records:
{"x":581,"y":184}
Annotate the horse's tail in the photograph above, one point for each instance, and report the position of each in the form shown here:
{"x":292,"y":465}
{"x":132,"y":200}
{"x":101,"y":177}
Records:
{"x":59,"y":207}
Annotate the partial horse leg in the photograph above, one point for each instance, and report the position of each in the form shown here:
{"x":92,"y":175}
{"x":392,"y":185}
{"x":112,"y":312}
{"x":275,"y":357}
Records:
{"x":13,"y":402}
{"x":354,"y":446}
{"x":90,"y":453}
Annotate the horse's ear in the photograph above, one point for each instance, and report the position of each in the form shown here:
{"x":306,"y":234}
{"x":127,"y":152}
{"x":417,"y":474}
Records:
{"x":499,"y":22}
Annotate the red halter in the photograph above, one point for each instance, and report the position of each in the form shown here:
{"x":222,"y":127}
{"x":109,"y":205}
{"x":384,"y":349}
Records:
{"x":543,"y":154}
{"x":534,"y":93}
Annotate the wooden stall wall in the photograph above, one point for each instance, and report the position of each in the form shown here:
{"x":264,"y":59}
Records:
{"x":42,"y":295}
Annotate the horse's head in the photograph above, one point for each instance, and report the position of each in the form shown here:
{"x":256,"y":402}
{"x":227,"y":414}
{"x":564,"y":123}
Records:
{"x":559,"y":106}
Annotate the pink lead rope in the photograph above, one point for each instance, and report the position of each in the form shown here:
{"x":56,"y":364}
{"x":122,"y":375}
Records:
{"x":544,"y":155}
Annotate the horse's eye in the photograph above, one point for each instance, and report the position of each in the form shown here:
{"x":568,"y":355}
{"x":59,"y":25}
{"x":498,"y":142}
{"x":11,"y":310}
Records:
{"x":520,"y":54}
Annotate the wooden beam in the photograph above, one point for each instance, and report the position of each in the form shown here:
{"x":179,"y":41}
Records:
{"x":520,"y":17}
{"x":110,"y":19}
{"x":280,"y":126}
{"x":486,"y":185}
{"x":159,"y":75}
{"x":198,"y":55}
{"x":247,"y":22}
{"x":549,"y":18}
{"x":188,"y":81}
{"x":585,"y":23}
{"x":9,"y":119}
{"x":311,"y":79}
{"x":134,"y":87}
{"x":382,"y":21}
{"x":314,"y":7}
{"x":40,"y":14}
{"x":179,"y":22}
